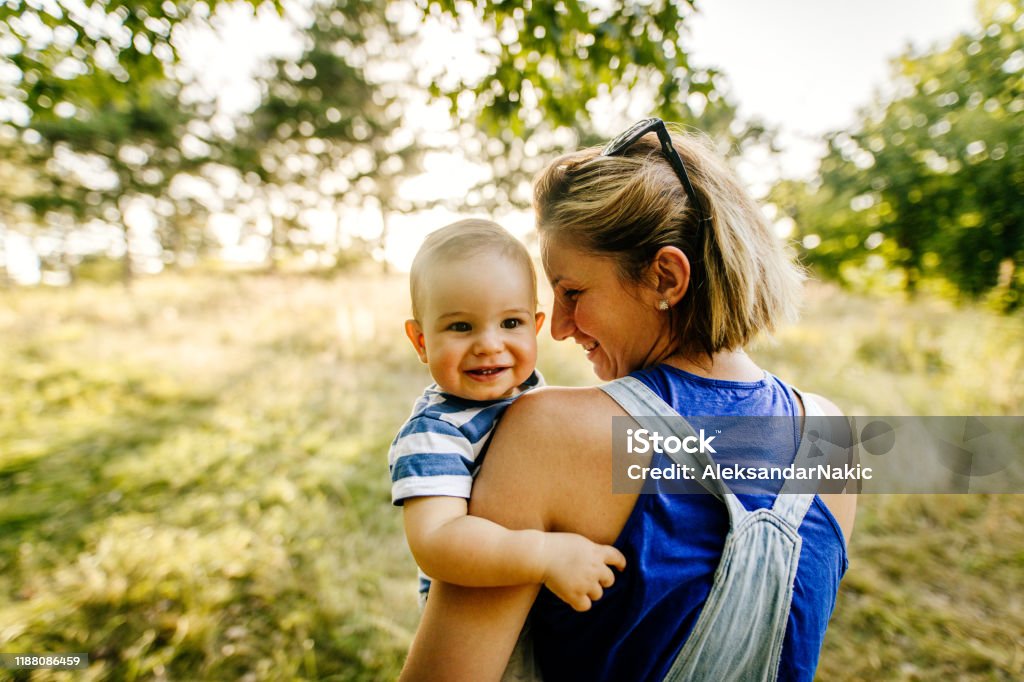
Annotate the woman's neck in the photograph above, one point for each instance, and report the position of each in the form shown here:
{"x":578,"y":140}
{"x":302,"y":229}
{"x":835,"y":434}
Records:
{"x":726,"y":365}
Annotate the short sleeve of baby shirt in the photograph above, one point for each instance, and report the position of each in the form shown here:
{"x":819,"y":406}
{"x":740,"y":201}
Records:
{"x":430,"y":457}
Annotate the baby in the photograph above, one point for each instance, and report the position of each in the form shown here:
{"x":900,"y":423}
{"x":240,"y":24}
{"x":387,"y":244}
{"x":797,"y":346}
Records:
{"x":474,"y":301}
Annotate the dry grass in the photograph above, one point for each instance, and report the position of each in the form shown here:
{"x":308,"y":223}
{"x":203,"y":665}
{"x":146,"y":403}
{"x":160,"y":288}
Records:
{"x":193,"y":482}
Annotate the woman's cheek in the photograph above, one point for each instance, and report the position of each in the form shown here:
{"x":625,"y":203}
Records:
{"x":605,"y":367}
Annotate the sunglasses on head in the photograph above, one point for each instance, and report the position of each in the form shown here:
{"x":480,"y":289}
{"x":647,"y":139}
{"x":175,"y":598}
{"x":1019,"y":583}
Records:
{"x":626,"y":140}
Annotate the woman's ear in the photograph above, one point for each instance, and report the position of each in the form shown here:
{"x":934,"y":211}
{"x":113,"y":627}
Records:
{"x":415,"y":333}
{"x":540,"y":321}
{"x":670,"y":274}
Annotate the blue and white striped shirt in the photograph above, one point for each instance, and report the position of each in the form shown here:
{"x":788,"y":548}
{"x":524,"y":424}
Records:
{"x":439,"y":449}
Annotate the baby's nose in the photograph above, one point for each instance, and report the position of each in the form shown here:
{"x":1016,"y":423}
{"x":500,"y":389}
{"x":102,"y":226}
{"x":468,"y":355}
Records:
{"x":488,"y":342}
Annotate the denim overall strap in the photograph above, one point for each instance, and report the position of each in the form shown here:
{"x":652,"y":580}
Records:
{"x":752,"y":590}
{"x":653,"y":413}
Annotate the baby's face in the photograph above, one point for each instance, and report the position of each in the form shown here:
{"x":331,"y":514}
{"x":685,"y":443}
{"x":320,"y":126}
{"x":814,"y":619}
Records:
{"x":478,"y":327}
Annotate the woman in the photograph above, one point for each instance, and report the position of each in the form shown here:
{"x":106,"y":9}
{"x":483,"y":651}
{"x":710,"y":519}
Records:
{"x":663,"y":269}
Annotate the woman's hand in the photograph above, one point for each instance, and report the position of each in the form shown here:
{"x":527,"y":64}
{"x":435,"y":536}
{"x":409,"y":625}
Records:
{"x":577,"y":570}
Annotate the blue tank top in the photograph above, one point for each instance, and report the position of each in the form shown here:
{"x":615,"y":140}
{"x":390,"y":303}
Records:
{"x":672,"y":544}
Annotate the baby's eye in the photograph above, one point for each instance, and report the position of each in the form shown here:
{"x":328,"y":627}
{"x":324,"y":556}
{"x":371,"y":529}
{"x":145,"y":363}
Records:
{"x":571,"y":294}
{"x":459,"y":327}
{"x":511,"y":323}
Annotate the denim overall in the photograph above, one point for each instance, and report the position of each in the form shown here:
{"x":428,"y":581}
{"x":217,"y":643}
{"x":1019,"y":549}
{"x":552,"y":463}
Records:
{"x":739,"y":633}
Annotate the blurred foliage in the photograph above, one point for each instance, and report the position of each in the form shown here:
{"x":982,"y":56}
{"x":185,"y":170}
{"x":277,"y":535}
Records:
{"x":928,"y":190}
{"x":553,"y":59}
{"x":194,"y":486}
{"x":106,"y":122}
{"x":324,"y":134}
{"x":554,"y":65}
{"x":97,"y":104}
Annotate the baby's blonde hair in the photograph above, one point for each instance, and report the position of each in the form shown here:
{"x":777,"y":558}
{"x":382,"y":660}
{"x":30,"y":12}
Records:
{"x":465,"y":239}
{"x":742,"y":280}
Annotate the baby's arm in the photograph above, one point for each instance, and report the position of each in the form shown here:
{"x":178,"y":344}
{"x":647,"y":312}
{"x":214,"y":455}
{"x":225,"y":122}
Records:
{"x":452,"y":546}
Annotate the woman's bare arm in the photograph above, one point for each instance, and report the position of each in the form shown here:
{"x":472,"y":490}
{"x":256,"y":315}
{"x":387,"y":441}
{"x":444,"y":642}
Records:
{"x":468,"y":633}
{"x":843,"y":506}
{"x":543,"y":458}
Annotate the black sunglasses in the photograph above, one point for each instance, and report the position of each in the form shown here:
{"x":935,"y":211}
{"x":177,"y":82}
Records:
{"x":624,"y":141}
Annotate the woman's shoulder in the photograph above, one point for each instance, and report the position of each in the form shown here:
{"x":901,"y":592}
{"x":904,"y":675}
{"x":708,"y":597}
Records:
{"x":561,"y":407}
{"x":550,"y":454}
{"x":827,"y":406}
{"x":549,"y":418}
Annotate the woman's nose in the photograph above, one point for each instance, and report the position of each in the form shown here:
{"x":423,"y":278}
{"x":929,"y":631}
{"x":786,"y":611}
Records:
{"x":562,"y":323}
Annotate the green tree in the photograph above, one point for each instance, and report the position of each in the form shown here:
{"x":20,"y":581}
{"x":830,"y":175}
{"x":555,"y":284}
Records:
{"x":327,"y":115}
{"x":930,"y":184}
{"x":325,"y":135}
{"x":553,"y":64}
{"x":98,"y":105}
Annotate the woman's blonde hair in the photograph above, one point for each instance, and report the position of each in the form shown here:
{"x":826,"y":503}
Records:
{"x":628,"y":206}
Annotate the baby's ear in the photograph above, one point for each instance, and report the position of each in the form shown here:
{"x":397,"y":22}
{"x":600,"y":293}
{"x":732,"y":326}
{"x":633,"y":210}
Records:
{"x":415,"y":333}
{"x":540,"y":321}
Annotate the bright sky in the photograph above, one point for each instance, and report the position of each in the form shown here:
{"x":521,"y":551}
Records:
{"x":806,"y":66}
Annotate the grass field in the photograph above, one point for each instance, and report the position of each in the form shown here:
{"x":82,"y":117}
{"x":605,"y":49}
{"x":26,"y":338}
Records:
{"x":193,"y":480}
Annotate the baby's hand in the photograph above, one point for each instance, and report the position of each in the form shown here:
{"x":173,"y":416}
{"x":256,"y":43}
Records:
{"x":577,"y":570}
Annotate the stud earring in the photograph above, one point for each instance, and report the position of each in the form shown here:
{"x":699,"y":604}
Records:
{"x":663,"y":304}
